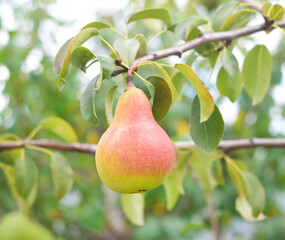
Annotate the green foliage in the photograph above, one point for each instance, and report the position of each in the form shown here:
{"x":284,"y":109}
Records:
{"x":127,"y":49}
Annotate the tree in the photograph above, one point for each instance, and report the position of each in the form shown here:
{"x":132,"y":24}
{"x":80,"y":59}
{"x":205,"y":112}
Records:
{"x":209,"y":44}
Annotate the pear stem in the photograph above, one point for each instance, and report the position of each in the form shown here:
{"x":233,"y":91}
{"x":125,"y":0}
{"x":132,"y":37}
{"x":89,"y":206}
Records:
{"x":132,"y":68}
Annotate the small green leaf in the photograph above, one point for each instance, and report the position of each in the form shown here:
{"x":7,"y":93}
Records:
{"x":107,"y":66}
{"x":194,"y":24}
{"x":229,"y":63}
{"x":127,"y":49}
{"x":245,"y":210}
{"x":202,"y":164}
{"x":162,"y":97}
{"x":172,"y":28}
{"x":62,"y":174}
{"x":238,"y":19}
{"x":62,"y":59}
{"x":133,"y":206}
{"x":229,"y":86}
{"x":179,"y":80}
{"x":219,"y":173}
{"x":207,"y":134}
{"x":59,"y":127}
{"x":26,"y":175}
{"x":98,"y":25}
{"x":221,"y":15}
{"x":154,"y":13}
{"x":87,"y":103}
{"x":80,"y":57}
{"x":275,"y":12}
{"x":257,"y":72}
{"x":109,"y":103}
{"x":255,"y":191}
{"x":143,"y":46}
{"x":206,"y":100}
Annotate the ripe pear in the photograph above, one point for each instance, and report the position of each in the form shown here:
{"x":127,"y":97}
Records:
{"x":135,"y":154}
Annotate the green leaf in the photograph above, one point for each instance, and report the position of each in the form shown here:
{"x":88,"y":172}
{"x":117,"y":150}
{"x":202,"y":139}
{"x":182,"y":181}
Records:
{"x":154,"y":13}
{"x":62,"y":174}
{"x":257,"y":73}
{"x":133,"y":206}
{"x":229,"y":63}
{"x":194,"y":24}
{"x":205,"y":98}
{"x":255,"y":191}
{"x":26,"y":175}
{"x":59,"y":127}
{"x":275,"y":12}
{"x":238,"y":19}
{"x":162,"y":97}
{"x":62,"y":59}
{"x":107,"y":66}
{"x":229,"y":86}
{"x":98,"y":25}
{"x":172,"y":28}
{"x":245,"y":210}
{"x":234,"y":172}
{"x":80,"y":57}
{"x":127,"y":49}
{"x":219,"y":173}
{"x":87,"y":103}
{"x":206,"y":135}
{"x":202,"y":164}
{"x":179,"y":80}
{"x":221,"y":15}
{"x":109,"y":103}
{"x":143,"y":46}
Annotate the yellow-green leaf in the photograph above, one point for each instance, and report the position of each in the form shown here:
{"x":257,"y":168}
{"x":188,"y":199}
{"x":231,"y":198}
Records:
{"x":205,"y":98}
{"x":245,"y":210}
{"x":109,"y":103}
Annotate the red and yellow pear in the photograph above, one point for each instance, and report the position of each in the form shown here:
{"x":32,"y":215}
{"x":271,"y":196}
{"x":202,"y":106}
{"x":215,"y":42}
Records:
{"x":135,"y":154}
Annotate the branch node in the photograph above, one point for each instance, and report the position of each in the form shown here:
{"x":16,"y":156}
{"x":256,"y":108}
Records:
{"x":130,"y":72}
{"x":178,"y":53}
{"x":267,"y":22}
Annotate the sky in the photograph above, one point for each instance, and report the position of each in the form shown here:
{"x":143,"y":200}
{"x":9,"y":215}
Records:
{"x":79,"y":13}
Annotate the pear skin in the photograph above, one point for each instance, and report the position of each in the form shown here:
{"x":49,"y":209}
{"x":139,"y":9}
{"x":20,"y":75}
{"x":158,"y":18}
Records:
{"x":135,"y":154}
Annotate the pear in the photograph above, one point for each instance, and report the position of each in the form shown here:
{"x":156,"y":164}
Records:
{"x":135,"y":154}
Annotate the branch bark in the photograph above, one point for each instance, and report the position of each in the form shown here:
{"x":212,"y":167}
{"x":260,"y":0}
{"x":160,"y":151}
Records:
{"x":225,"y":145}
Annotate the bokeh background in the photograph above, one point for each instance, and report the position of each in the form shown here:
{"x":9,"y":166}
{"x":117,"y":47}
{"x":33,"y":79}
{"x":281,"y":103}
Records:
{"x":32,"y":31}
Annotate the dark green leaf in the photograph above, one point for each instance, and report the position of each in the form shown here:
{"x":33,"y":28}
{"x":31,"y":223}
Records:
{"x":162,"y":97}
{"x":109,"y":103}
{"x":194,"y":24}
{"x":87,"y":104}
{"x":98,"y":25}
{"x":62,"y":174}
{"x":127,"y":49}
{"x":80,"y":57}
{"x":257,"y":73}
{"x":207,"y":134}
{"x":155,"y":13}
{"x":206,"y":100}
{"x":59,"y":127}
{"x":229,"y":63}
{"x":107,"y":66}
{"x":229,"y":86}
{"x":26,"y":175}
{"x":143,"y":46}
{"x":172,"y":28}
{"x":133,"y":206}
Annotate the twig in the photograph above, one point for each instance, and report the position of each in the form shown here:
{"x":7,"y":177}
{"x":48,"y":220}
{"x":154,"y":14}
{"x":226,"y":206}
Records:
{"x":225,"y":145}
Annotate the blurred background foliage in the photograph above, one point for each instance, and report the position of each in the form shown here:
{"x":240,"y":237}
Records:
{"x":32,"y":31}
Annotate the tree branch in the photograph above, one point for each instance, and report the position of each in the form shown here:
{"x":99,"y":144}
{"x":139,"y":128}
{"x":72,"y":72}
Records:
{"x":225,"y":145}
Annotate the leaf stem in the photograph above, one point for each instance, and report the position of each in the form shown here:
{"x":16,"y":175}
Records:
{"x":156,"y":35}
{"x":33,"y":133}
{"x":103,"y":40}
{"x":118,"y":32}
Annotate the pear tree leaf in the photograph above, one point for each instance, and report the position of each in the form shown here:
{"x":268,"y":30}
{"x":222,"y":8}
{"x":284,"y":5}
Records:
{"x":62,"y":174}
{"x":219,"y":173}
{"x":87,"y":103}
{"x":202,"y":164}
{"x":133,"y":207}
{"x":98,"y":25}
{"x":179,"y":80}
{"x":238,"y":19}
{"x":162,"y":97}
{"x":257,"y":73}
{"x":143,"y":46}
{"x":59,"y":127}
{"x":206,"y":100}
{"x":206,"y":135}
{"x":172,"y":28}
{"x":25,"y":175}
{"x":153,"y":13}
{"x":229,"y":86}
{"x":256,"y":194}
{"x":127,"y":49}
{"x":194,"y":24}
{"x":109,"y":103}
{"x":230,"y":63}
{"x":62,"y":59}
{"x":275,"y":12}
{"x":80,"y":57}
{"x":245,"y":210}
{"x":221,"y":15}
